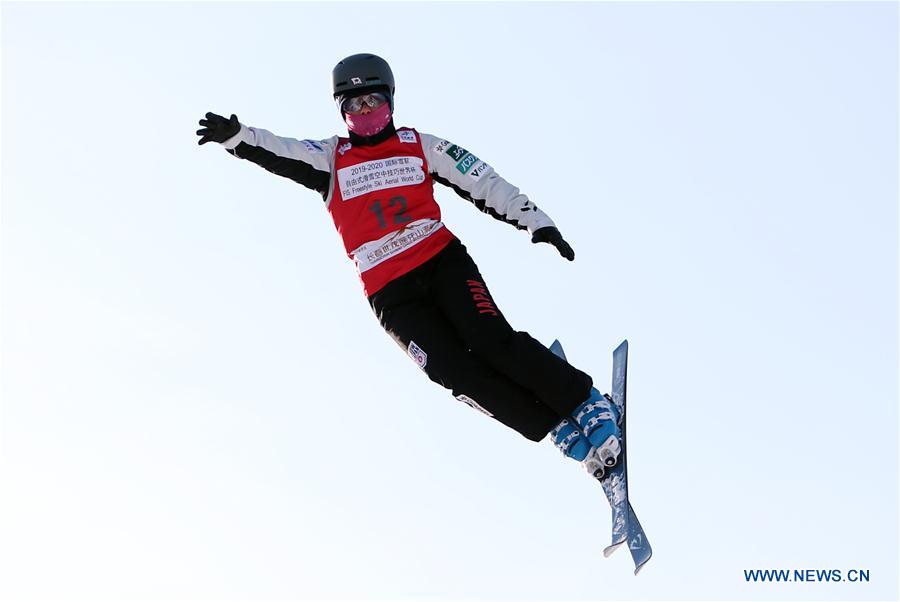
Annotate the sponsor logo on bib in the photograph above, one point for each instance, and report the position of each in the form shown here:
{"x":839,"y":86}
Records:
{"x":374,"y":252}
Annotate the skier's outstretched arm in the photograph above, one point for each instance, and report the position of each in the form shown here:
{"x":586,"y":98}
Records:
{"x":476,"y":181}
{"x":307,"y":162}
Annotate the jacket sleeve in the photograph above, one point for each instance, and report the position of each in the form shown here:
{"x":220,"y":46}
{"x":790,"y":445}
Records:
{"x":307,"y":162}
{"x":476,"y":181}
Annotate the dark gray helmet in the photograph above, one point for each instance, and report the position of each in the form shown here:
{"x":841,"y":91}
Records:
{"x":361,"y":73}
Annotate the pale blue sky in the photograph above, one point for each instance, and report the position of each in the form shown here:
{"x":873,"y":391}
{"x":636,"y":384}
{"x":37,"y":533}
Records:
{"x":198,"y":404}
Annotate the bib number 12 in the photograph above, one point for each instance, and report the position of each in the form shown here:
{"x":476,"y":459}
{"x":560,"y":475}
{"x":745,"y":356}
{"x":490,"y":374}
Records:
{"x":398,"y":217}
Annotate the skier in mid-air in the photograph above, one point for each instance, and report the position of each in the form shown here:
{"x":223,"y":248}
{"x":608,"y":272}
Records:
{"x":425,"y":289}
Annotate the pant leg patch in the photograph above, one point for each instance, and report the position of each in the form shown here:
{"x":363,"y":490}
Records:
{"x":473,"y":404}
{"x":417,"y":354}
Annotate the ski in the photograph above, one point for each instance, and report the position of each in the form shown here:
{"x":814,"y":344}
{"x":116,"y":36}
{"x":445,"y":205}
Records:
{"x":626,"y":528}
{"x":617,"y":481}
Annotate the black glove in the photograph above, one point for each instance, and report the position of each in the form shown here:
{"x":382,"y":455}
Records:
{"x":218,"y":129}
{"x":551,"y":235}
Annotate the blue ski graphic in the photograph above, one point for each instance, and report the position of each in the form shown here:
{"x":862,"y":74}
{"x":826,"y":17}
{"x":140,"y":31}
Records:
{"x":626,"y":528}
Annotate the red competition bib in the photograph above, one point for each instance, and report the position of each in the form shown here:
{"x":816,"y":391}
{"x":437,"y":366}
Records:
{"x":384,"y":209}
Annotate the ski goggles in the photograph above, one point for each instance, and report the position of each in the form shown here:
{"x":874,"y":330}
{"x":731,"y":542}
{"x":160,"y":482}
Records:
{"x":355,"y":104}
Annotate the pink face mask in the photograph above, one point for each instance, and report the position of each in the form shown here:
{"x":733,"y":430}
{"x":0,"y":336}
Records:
{"x":371,"y":123}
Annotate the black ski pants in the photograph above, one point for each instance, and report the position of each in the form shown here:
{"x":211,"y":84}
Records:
{"x":443,"y":316}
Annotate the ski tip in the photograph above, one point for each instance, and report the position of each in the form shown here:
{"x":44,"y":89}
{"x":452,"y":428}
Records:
{"x":623,"y":346}
{"x":607,"y":552}
{"x":638,"y":568}
{"x":557,"y":349}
